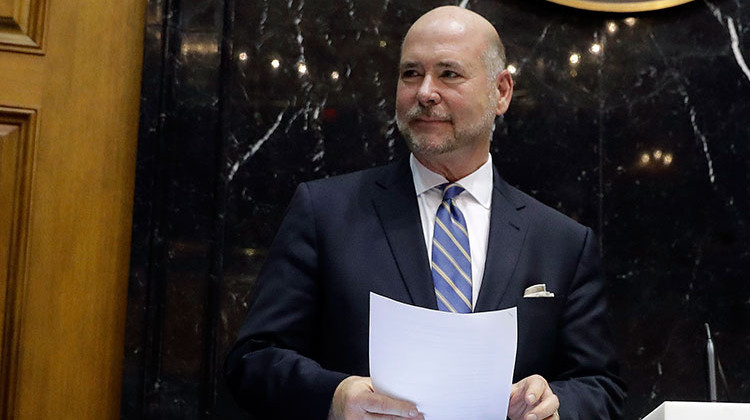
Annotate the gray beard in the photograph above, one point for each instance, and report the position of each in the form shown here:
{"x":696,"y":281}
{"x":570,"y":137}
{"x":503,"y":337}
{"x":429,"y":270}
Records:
{"x":420,"y":146}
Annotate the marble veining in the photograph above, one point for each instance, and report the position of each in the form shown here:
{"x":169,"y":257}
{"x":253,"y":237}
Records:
{"x":735,"y":40}
{"x":736,"y":48}
{"x":698,"y":134}
{"x":256,"y":146}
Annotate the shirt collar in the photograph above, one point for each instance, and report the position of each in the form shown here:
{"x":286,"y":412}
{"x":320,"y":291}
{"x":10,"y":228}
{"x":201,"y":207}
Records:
{"x":478,"y":183}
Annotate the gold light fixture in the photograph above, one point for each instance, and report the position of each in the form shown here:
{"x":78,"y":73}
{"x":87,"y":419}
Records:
{"x":621,"y":6}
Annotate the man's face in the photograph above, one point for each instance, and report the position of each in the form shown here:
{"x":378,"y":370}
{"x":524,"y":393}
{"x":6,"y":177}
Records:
{"x":445,"y":100}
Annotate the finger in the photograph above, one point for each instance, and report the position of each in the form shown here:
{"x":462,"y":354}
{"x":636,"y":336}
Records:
{"x":381,"y":404}
{"x":517,"y":405}
{"x":518,"y":392}
{"x":368,"y":382}
{"x":546,"y":408}
{"x":535,"y":388}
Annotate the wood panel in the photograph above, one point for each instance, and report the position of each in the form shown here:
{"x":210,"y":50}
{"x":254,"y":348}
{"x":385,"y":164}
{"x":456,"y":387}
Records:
{"x":75,"y":152}
{"x":22,"y":80}
{"x":17,"y":138}
{"x":22,"y":24}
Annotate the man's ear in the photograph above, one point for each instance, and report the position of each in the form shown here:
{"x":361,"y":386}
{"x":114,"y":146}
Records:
{"x":504,"y":85}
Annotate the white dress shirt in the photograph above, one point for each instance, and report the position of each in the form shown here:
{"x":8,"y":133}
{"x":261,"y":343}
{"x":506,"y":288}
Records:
{"x":474,"y":203}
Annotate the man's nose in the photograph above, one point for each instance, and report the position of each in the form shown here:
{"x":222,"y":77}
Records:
{"x":428,"y":94}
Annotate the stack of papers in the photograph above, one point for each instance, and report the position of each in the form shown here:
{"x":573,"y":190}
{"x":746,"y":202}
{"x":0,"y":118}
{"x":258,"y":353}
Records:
{"x":452,"y":366}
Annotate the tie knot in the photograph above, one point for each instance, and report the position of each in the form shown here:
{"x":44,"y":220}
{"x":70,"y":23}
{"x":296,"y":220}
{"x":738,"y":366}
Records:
{"x":451,"y":190}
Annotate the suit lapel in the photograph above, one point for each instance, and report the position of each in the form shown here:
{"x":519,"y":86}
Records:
{"x":396,"y":205}
{"x":507,"y":233}
{"x":395,"y":202}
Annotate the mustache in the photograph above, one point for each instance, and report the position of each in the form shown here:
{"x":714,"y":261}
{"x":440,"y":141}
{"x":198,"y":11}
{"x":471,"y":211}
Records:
{"x":431,"y":113}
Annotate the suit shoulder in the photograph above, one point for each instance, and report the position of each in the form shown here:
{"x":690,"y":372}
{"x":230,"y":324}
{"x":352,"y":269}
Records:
{"x":545,"y":215}
{"x":353,"y":180}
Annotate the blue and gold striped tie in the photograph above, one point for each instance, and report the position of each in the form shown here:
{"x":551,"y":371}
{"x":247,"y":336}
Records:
{"x":451,"y":257}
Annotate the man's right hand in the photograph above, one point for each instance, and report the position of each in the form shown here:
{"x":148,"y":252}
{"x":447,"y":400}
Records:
{"x":355,"y":399}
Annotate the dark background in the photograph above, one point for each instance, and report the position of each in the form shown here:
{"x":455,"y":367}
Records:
{"x":225,"y":138}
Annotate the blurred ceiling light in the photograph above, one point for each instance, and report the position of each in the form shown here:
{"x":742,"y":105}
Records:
{"x":630,"y":21}
{"x":302,"y":68}
{"x":275,"y":63}
{"x":243,"y":56}
{"x":575,"y":58}
{"x":611,"y":27}
{"x":596,"y":48}
{"x":334,"y":75}
{"x":383,"y":44}
{"x":512,"y":69}
{"x":655,"y":157}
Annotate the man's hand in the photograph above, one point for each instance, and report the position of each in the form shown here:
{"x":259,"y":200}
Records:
{"x":531,"y":398}
{"x":356,"y":399}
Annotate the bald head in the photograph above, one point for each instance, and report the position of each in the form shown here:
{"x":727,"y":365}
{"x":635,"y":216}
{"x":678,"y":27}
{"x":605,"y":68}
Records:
{"x":451,"y":87}
{"x":457,"y":21}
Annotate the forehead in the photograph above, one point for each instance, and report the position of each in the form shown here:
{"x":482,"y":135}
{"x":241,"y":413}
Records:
{"x":451,"y":41}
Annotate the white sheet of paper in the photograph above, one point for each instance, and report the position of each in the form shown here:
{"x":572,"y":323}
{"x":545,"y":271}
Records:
{"x":453,"y":366}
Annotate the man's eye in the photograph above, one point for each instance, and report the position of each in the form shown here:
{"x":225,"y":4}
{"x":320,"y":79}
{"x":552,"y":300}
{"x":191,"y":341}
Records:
{"x":409,"y":73}
{"x":449,"y":74}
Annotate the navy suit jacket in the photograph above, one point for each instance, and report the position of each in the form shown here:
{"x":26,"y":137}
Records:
{"x":343,"y":237}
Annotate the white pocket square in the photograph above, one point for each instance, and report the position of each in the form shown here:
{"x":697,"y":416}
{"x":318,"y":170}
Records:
{"x":537,"y":291}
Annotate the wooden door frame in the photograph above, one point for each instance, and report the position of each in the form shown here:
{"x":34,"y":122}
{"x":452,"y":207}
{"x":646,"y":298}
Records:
{"x":15,"y":277}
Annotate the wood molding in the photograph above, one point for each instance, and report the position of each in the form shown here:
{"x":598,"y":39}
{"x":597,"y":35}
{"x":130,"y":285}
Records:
{"x":17,"y":145}
{"x":22,"y":24}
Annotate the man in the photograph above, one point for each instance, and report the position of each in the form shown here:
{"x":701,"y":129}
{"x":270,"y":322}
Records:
{"x":302,"y":352}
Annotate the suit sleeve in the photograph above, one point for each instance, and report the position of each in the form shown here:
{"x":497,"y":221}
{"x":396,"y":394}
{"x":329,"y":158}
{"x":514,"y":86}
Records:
{"x":586,"y":379}
{"x":270,"y":369}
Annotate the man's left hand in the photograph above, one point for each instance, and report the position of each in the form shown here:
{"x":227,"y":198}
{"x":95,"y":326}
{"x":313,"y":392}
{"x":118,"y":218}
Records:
{"x":532,"y":398}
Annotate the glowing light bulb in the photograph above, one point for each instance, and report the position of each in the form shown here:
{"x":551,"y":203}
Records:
{"x":668,"y":159}
{"x":302,"y":68}
{"x":334,"y":75}
{"x":630,"y":21}
{"x":645,"y":158}
{"x":575,"y":58}
{"x":243,"y":56}
{"x":512,"y":69}
{"x":275,"y":63}
{"x":596,"y":48}
{"x":611,"y":27}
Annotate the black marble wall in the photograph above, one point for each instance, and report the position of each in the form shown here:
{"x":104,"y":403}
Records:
{"x":635,"y":125}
